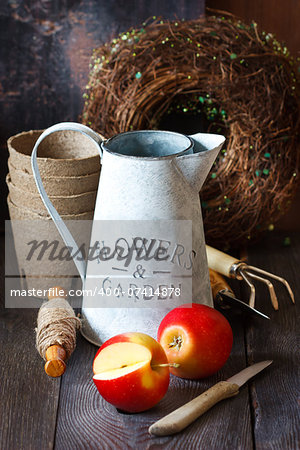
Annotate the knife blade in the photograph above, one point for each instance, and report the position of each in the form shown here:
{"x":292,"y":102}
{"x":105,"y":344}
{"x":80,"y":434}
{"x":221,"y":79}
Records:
{"x":244,"y":375}
{"x":224,"y":298}
{"x":182,"y":417}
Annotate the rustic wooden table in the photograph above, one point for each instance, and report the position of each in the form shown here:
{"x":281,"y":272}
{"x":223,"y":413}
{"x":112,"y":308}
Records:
{"x":37,"y":412}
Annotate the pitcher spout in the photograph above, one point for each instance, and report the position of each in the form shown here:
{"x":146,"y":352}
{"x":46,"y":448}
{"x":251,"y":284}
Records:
{"x":196,"y":166}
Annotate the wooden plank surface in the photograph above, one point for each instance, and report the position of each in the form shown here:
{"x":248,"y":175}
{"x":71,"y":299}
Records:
{"x":29,"y":398}
{"x":274,"y":396}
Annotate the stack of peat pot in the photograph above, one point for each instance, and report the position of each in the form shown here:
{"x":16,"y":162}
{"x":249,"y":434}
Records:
{"x":69,"y":165}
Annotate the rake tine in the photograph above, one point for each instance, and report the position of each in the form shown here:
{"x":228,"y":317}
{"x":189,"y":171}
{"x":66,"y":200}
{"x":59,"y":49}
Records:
{"x":252,"y":288}
{"x":275,"y":277}
{"x":270,"y":287}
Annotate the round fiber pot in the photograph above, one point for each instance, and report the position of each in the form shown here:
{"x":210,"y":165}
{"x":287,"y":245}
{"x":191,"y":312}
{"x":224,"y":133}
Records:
{"x":62,"y":154}
{"x":17,"y":213}
{"x":36,"y":274}
{"x":61,"y":186}
{"x":73,"y":204}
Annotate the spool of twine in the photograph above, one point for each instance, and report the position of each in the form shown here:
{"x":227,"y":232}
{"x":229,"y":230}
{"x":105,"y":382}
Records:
{"x":56,"y":325}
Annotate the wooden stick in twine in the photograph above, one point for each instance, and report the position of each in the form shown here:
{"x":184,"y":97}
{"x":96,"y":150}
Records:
{"x":56,"y":331}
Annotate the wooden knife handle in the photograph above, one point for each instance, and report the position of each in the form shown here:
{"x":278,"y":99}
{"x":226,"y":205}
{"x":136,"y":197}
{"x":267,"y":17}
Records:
{"x":219,"y":261}
{"x":218,"y":284}
{"x":186,"y":414}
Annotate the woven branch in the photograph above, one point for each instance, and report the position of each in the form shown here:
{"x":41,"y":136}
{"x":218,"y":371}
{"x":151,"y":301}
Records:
{"x":231,"y":67}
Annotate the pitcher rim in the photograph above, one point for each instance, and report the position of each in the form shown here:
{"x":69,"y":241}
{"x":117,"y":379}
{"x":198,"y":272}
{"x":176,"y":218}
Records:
{"x":147,"y":158}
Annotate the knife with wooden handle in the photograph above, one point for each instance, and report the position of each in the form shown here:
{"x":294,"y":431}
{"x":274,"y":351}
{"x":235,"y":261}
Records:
{"x":182,"y":417}
{"x":218,"y":284}
{"x":224,"y":298}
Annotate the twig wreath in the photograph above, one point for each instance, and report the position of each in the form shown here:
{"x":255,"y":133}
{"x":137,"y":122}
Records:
{"x":228,"y":78}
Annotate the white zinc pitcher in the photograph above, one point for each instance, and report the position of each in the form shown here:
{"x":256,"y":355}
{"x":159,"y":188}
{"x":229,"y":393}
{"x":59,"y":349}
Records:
{"x":148,"y":227}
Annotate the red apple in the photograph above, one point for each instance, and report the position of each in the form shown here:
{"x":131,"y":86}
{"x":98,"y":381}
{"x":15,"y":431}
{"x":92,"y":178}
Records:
{"x":196,"y":337}
{"x":131,"y":371}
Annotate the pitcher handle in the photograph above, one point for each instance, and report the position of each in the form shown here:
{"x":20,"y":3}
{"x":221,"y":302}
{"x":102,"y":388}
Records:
{"x":59,"y":223}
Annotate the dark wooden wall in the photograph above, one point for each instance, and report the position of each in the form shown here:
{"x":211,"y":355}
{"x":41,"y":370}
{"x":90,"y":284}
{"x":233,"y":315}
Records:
{"x":281,"y":17}
{"x":45,"y":47}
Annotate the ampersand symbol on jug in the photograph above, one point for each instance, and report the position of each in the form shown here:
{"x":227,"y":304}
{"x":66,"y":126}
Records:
{"x":139,"y":272}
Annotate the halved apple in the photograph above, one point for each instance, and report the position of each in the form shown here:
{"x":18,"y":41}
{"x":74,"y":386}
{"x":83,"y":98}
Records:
{"x":131,"y":371}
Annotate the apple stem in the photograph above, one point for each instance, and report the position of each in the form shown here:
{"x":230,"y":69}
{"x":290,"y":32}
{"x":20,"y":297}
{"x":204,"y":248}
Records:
{"x":176,"y":343}
{"x":175,"y":365}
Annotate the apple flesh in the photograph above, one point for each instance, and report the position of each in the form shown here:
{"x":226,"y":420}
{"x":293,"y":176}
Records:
{"x":196,"y":337}
{"x":131,"y":372}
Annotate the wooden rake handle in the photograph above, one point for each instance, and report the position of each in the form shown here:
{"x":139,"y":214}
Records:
{"x":220,"y":262}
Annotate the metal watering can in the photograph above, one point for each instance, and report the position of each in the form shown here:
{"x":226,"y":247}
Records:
{"x":148,"y":198}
